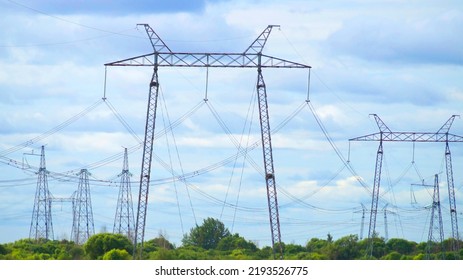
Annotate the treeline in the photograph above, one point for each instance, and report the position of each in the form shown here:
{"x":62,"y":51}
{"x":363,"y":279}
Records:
{"x":213,"y":241}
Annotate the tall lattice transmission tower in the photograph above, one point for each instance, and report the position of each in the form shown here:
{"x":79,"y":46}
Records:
{"x":82,"y":223}
{"x":252,"y":57}
{"x":41,"y":223}
{"x":124,"y":219}
{"x":436,"y":230}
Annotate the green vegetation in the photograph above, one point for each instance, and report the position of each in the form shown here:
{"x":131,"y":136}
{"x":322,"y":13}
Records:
{"x":213,"y":241}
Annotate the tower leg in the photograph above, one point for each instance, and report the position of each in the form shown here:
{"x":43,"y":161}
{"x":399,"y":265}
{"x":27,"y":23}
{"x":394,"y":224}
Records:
{"x":146,"y":165}
{"x":269,"y":169}
{"x":453,"y":207}
{"x":374,"y":198}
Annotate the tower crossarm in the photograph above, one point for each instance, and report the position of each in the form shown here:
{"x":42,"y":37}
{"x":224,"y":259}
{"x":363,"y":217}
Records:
{"x":446,"y":127}
{"x":258,"y":45}
{"x":223,"y":60}
{"x":381,"y":125}
{"x":156,"y":42}
{"x":410,"y":137}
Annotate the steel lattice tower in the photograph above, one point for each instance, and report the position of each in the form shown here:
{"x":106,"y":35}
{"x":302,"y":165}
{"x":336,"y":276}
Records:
{"x":41,"y":224}
{"x":82,"y":224}
{"x":124,"y":219}
{"x":386,"y":231}
{"x":362,"y":225}
{"x":252,"y":57}
{"x":436,"y":229}
{"x":385,"y":134}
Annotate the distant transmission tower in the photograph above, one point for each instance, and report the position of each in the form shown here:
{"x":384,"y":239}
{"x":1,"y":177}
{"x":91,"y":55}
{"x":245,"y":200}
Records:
{"x":362,"y":223}
{"x":386,"y":229}
{"x":82,"y":224}
{"x":441,"y":136}
{"x":124,"y":219}
{"x":436,"y":230}
{"x":41,"y":224}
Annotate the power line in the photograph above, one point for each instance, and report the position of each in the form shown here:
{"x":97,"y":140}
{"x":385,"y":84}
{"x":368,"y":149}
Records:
{"x":67,"y":20}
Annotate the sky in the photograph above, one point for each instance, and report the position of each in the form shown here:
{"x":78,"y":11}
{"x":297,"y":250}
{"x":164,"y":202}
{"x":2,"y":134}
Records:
{"x":401,"y":60}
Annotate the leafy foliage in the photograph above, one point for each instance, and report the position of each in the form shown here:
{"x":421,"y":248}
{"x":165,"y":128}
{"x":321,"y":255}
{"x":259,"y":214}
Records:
{"x":213,"y":241}
{"x":208,"y":235}
{"x":117,"y":254}
{"x":99,"y":244}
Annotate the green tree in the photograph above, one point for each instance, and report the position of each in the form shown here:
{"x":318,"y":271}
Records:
{"x":316,"y":245}
{"x":98,"y":244}
{"x":206,"y":236}
{"x":293,"y":249}
{"x":323,"y":247}
{"x":235,"y":241}
{"x":117,"y":254}
{"x":191,"y":253}
{"x":401,"y":246}
{"x":392,"y":256}
{"x":163,"y":254}
{"x":3,"y":250}
{"x":161,"y":242}
{"x":347,"y":248}
{"x":310,"y":256}
{"x":379,"y":247}
{"x":266,"y":253}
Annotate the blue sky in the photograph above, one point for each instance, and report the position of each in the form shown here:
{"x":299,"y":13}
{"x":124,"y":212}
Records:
{"x":401,"y":60}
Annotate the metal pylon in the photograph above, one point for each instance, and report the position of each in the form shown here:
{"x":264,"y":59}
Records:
{"x":41,"y":223}
{"x":124,"y":218}
{"x":252,"y":57}
{"x":436,"y":229}
{"x":82,"y":224}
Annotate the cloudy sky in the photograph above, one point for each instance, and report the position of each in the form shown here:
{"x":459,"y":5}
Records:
{"x":401,"y":60}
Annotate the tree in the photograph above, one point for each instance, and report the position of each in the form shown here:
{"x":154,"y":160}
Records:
{"x":206,"y":236}
{"x":3,"y":250}
{"x":235,"y":241}
{"x":346,"y":248}
{"x":323,"y":247}
{"x":292,"y":249}
{"x":117,"y":254}
{"x":162,"y":242}
{"x":163,"y":254}
{"x":401,"y":246}
{"x":316,"y":245}
{"x":98,"y":244}
{"x":392,"y":256}
{"x":379,"y":247}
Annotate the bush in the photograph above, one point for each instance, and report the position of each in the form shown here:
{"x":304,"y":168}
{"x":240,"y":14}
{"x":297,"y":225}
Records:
{"x":99,"y":244}
{"x":117,"y":254}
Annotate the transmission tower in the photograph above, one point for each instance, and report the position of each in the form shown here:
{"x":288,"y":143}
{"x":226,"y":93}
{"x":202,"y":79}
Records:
{"x":82,"y":224}
{"x":385,"y":134}
{"x":41,"y":224}
{"x":252,"y":57}
{"x":386,"y":229}
{"x":124,"y":219}
{"x":436,"y":229}
{"x":362,"y":223}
